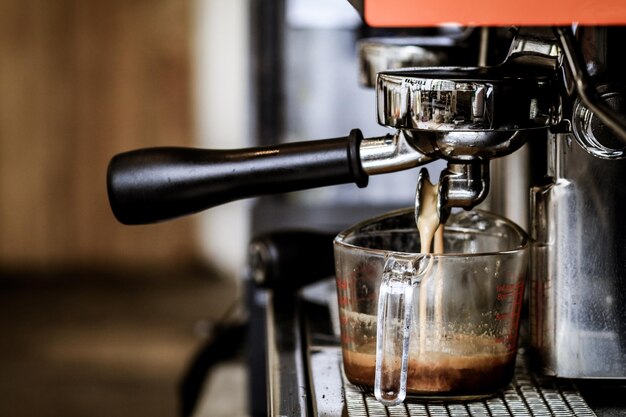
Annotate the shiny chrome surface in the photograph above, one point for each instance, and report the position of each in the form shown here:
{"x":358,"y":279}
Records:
{"x":287,"y":386}
{"x":460,"y":185}
{"x":326,"y":381}
{"x":577,"y":275}
{"x":390,"y":153}
{"x":501,"y":98}
{"x":534,"y":50}
{"x":380,"y":54}
{"x":508,"y":189}
{"x":585,"y":88}
{"x":591,"y":133}
{"x":464,"y":185}
{"x":510,"y":176}
{"x":467,"y":146}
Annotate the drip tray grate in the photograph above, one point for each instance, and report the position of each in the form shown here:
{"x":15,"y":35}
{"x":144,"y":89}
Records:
{"x":527,"y":396}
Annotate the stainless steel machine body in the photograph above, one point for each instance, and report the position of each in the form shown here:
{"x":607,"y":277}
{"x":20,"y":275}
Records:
{"x":578,"y":298}
{"x":578,"y":293}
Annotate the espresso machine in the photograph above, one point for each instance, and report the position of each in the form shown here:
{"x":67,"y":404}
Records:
{"x":525,"y":120}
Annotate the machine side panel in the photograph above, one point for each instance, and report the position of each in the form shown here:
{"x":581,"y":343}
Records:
{"x":577,"y":312}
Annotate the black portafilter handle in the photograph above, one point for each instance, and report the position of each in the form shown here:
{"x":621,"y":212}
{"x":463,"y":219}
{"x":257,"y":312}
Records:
{"x":155,"y":184}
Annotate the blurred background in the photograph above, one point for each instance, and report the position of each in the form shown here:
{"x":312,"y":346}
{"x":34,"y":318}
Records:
{"x":97,"y":318}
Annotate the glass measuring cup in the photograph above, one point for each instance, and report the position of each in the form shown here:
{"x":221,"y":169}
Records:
{"x":434,"y":326}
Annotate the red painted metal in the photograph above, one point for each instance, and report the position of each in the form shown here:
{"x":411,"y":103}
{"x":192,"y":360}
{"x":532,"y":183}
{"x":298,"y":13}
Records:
{"x":412,"y":13}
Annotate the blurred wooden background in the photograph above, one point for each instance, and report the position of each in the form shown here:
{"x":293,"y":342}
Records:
{"x":81,"y":80}
{"x":96,"y":318}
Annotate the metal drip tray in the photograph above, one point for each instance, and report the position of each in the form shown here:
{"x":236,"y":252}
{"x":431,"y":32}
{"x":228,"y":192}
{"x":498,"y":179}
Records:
{"x":526,"y":396}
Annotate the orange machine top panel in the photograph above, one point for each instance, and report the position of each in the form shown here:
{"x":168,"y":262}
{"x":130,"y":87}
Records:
{"x":411,"y":13}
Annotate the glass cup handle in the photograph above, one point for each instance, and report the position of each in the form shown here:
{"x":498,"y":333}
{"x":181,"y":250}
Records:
{"x":395,"y":305}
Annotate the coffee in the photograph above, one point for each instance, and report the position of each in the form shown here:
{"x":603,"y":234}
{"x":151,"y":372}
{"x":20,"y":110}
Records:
{"x":440,"y":373}
{"x":430,"y":228}
{"x":428,"y":224}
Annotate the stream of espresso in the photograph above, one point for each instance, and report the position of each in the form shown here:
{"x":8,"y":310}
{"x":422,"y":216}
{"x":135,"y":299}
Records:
{"x":428,"y":224}
{"x":430,"y":228}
